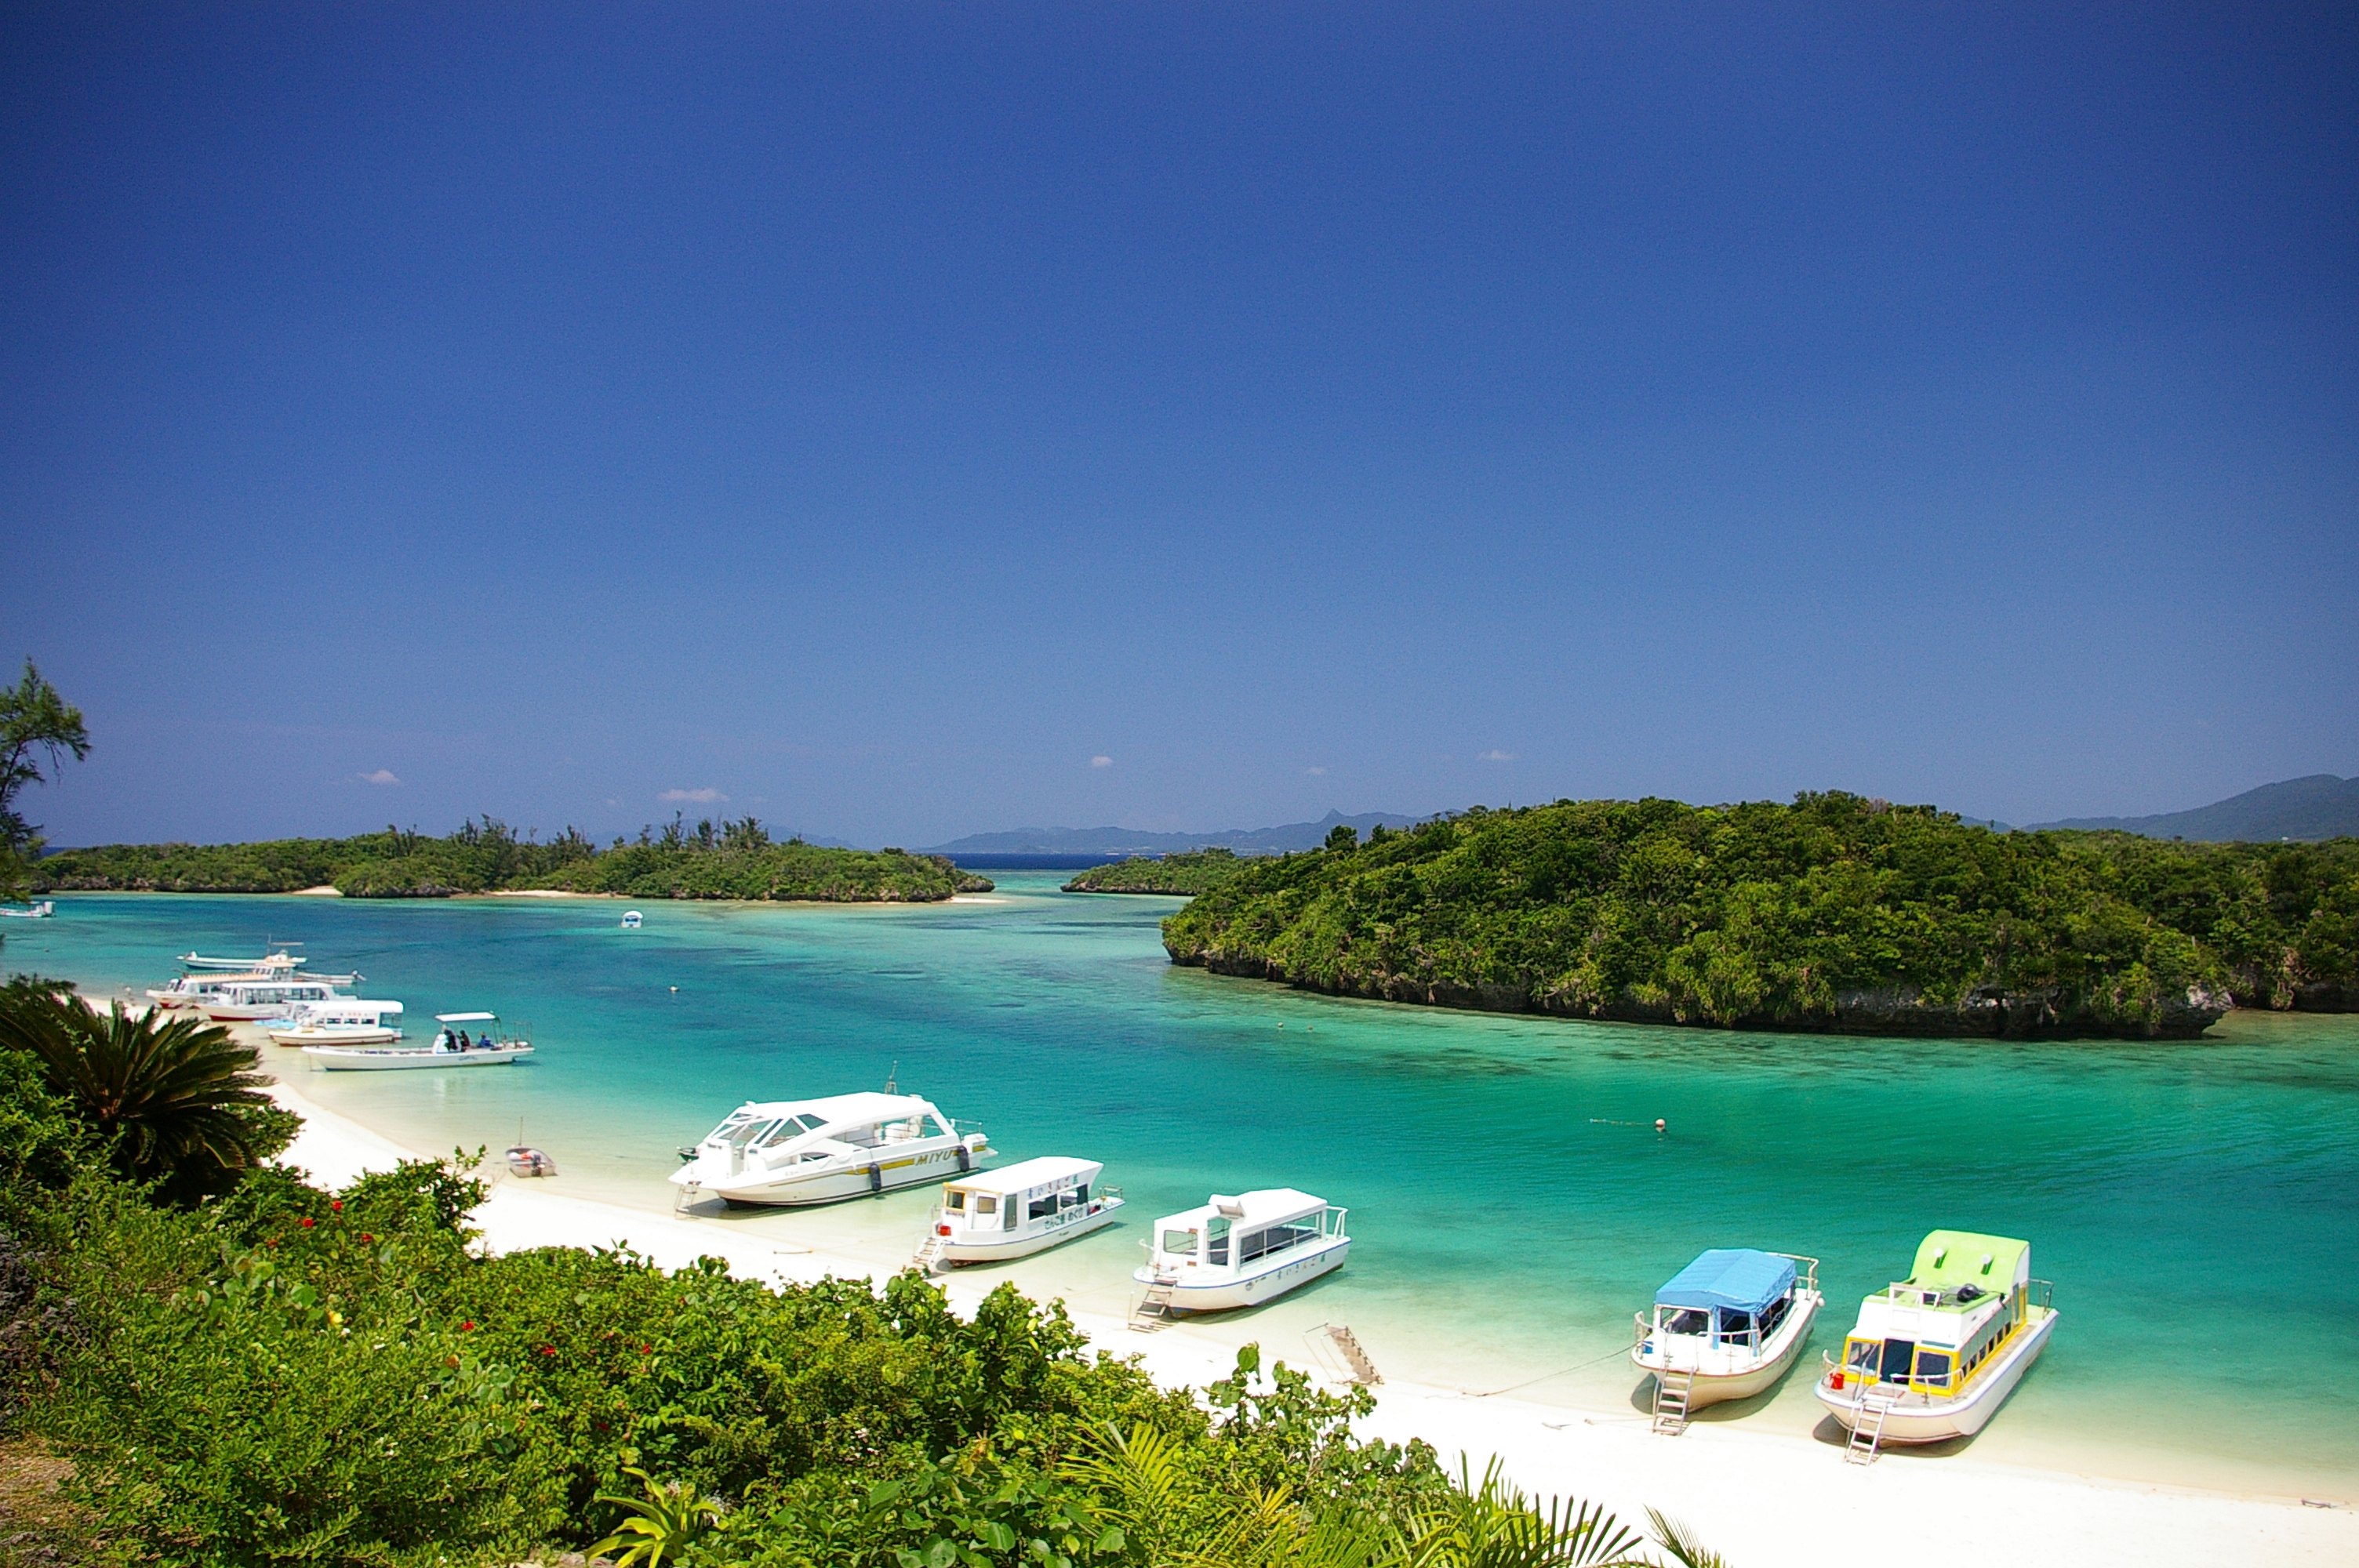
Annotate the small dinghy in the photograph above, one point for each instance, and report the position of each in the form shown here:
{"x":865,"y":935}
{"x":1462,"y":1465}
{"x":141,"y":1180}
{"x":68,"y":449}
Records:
{"x":526,"y":1161}
{"x":1725,"y":1327}
{"x":1016,"y":1212}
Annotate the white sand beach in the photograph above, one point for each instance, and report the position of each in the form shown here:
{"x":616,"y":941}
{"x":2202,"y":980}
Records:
{"x":1767,"y":1500}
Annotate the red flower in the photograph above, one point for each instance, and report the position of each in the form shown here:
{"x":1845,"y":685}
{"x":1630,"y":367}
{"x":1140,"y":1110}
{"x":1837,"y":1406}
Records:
{"x":468,"y":1326}
{"x":647,"y":1349}
{"x":307,"y":1222}
{"x":366,"y":1238}
{"x":336,"y":1206}
{"x":549,"y":1350}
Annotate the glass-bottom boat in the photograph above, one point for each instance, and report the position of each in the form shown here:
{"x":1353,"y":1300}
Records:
{"x":1016,"y":1211}
{"x":1934,"y":1356}
{"x":1728,"y":1325}
{"x":1242,"y":1251}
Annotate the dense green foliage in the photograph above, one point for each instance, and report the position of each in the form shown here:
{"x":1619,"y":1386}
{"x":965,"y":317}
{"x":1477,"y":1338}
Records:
{"x":291,"y":1377}
{"x":730,"y":859}
{"x":1834,"y":911}
{"x":1192,"y":872}
{"x":175,"y":1100}
{"x":35,"y":723}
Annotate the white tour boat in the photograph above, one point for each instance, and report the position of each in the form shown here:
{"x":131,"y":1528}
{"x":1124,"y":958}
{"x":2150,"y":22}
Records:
{"x":249,"y":1001}
{"x":632,"y":919}
{"x":41,"y":910}
{"x":454,"y":1046}
{"x":195,"y":991}
{"x":280,"y":959}
{"x":1241,"y":1251}
{"x":1934,"y":1356}
{"x":791,"y":1152}
{"x":1726,"y":1326}
{"x":1017,"y":1211}
{"x":348,"y":1023}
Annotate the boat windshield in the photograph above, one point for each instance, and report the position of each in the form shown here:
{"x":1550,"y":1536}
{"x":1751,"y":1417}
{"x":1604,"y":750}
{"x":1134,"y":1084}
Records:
{"x":1686,"y":1320}
{"x":746,"y":1132}
{"x":1180,"y":1241}
{"x":791,"y":1128}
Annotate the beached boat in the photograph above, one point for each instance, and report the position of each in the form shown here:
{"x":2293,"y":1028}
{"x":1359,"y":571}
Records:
{"x":345,"y":1022}
{"x":1725,"y":1327}
{"x":195,"y":991}
{"x":1016,"y":1211}
{"x":793,"y":1153}
{"x":1934,"y":1356}
{"x":455,"y":1046}
{"x":250,"y":1001}
{"x":41,"y":910}
{"x":1240,"y":1251}
{"x":524,"y":1160}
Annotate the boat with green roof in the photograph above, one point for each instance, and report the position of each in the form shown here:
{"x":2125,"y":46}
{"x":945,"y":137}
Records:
{"x":1935,"y":1354}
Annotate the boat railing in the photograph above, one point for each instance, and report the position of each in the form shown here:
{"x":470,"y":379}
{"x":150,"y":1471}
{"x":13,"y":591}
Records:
{"x":2040,"y":1293}
{"x":1807,"y":1267}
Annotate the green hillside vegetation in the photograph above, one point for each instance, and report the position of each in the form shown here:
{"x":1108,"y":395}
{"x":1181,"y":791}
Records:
{"x":1832,"y":912}
{"x":1195,"y":872}
{"x":728,"y":859}
{"x":283,"y":1375}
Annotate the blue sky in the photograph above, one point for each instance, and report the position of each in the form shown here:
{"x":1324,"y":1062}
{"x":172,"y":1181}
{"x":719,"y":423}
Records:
{"x":902,"y":421}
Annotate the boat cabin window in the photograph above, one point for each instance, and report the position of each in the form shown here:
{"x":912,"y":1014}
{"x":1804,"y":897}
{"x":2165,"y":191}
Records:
{"x":1042,"y":1207}
{"x":1735,"y":1325}
{"x":1216,"y":1238}
{"x":1276,"y":1238}
{"x":1687,"y":1320}
{"x":1182,"y":1242}
{"x":1898,"y":1356}
{"x":1007,"y":1215}
{"x":954,"y":1201}
{"x":1933,"y":1367}
{"x":792,"y":1128}
{"x":985,"y":1204}
{"x":747,"y":1132}
{"x":1862,"y":1355}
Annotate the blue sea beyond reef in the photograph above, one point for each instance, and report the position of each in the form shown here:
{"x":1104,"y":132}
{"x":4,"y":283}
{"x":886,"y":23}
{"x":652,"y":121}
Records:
{"x":2197,"y":1204}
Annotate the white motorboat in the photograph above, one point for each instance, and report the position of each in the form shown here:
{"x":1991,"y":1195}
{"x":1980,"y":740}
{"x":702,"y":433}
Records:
{"x":1241,"y":1251}
{"x":195,"y":991}
{"x":41,"y":910}
{"x":1726,"y":1326}
{"x":455,"y":1046}
{"x":793,"y":1153}
{"x":250,"y":1001}
{"x":1016,"y":1211}
{"x":632,"y":919}
{"x":1934,"y":1356}
{"x":278,"y":959}
{"x":524,"y":1160}
{"x":347,"y":1022}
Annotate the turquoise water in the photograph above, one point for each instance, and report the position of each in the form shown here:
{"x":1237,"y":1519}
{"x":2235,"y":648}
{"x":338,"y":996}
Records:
{"x":2197,"y":1204}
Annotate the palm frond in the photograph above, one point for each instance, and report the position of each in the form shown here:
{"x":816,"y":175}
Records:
{"x":1676,"y":1538}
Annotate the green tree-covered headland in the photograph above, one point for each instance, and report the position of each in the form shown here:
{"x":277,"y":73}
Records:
{"x":1192,"y":872}
{"x":236,"y":1368}
{"x":727,"y":860}
{"x":1831,"y":913}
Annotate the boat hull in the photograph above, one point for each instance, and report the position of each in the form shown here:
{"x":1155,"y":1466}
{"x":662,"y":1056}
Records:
{"x":1712,"y":1386}
{"x":1297,"y":1267}
{"x":910,"y":1165}
{"x":1921,"y":1419}
{"x":963,"y":1251}
{"x":378,"y":1059}
{"x":334,"y":1036}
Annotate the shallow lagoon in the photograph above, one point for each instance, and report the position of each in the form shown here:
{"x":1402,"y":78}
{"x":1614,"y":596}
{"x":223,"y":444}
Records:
{"x":1511,"y":1202}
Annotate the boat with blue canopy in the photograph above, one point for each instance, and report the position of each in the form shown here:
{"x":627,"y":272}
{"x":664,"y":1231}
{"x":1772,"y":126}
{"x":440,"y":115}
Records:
{"x":1725,"y":1327}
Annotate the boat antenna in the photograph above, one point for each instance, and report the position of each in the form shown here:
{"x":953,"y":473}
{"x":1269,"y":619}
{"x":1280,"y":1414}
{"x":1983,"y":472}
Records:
{"x":890,"y":1074}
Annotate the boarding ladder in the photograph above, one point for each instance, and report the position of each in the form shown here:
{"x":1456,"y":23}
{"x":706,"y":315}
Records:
{"x":1357,"y":1366}
{"x":1152,"y":1311}
{"x":1867,"y":1432}
{"x":1673,"y":1385}
{"x":928,"y":1254}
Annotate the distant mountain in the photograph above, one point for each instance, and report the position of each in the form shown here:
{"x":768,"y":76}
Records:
{"x":1138,"y":841}
{"x":2319,"y":806}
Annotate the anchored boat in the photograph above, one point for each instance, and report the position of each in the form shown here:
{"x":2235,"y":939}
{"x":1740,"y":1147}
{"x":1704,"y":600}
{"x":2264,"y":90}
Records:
{"x":1016,"y":1212}
{"x":41,"y":910}
{"x":1725,"y":1327}
{"x":1242,"y":1251}
{"x":793,"y":1153}
{"x":488,"y":1046}
{"x":250,"y":1001}
{"x":345,"y":1022}
{"x":1934,"y":1356}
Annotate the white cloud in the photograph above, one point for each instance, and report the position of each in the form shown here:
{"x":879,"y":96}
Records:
{"x":695,"y":796}
{"x":382,"y":776}
{"x":1101,"y":762}
{"x":1316,"y":772}
{"x":1495,"y":755}
{"x":613,"y":802}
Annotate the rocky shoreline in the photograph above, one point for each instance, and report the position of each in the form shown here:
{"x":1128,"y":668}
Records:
{"x":1987,"y":1012}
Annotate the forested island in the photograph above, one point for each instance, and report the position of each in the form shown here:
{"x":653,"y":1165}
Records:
{"x":1192,"y":872}
{"x":1833,"y":914}
{"x":726,"y":860}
